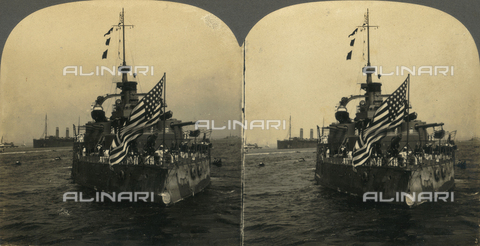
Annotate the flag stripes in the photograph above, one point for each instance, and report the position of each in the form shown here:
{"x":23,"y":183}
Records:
{"x":145,"y":114}
{"x":389,"y":115}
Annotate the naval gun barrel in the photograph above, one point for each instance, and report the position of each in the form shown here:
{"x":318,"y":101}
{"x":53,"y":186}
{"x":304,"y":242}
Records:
{"x":101,"y":99}
{"x":336,"y":127}
{"x":345,"y":100}
{"x":429,"y":125}
{"x":183,"y":124}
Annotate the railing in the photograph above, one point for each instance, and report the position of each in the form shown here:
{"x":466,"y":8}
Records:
{"x":159,"y":158}
{"x":428,"y":155}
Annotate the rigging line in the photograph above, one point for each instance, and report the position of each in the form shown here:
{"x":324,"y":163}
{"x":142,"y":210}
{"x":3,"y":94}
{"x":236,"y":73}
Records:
{"x":364,"y":47}
{"x":133,"y":36}
{"x":362,"y":61}
{"x":374,"y":55}
{"x":118,"y":45}
{"x":110,"y":80}
{"x":113,"y":78}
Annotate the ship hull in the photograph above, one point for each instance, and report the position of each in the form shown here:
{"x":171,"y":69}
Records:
{"x":387,"y":181}
{"x":296,"y":144}
{"x":169,"y":183}
{"x":54,"y":142}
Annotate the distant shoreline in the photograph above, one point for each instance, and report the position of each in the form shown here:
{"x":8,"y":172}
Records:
{"x":24,"y":150}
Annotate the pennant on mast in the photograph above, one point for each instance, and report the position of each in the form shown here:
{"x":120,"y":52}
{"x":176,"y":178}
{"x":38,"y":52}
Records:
{"x":104,"y":56}
{"x":109,"y":31}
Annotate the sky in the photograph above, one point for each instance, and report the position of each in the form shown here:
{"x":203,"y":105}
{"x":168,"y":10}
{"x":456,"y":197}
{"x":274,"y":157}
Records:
{"x":197,"y":51}
{"x":296,"y":65}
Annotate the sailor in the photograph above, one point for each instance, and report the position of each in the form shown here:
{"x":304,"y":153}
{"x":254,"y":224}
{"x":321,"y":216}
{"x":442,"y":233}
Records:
{"x":428,"y":151}
{"x":402,"y":157}
{"x":158,"y":156}
{"x":324,"y":139}
{"x":100,"y":149}
{"x":161,"y":153}
{"x":149,"y":147}
{"x":344,"y":154}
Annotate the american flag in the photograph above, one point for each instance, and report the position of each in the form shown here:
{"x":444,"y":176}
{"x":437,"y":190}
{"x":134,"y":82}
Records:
{"x":144,"y":115}
{"x":388,"y":116}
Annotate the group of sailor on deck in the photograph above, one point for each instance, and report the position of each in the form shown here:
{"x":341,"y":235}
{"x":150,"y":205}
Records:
{"x":156,"y":157}
{"x":395,"y":157}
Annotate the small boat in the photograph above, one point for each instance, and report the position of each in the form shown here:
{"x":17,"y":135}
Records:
{"x":4,"y":145}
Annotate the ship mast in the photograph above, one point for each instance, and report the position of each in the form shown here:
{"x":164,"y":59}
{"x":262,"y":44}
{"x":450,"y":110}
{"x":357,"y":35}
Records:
{"x":46,"y":129}
{"x":290,"y":128}
{"x":369,"y":70}
{"x":129,"y":95}
{"x":122,"y":23}
{"x":369,"y":75}
{"x":373,"y":89}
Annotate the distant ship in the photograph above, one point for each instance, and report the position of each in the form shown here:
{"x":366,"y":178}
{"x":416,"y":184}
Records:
{"x":251,"y":146}
{"x":141,"y":148}
{"x":385,"y":153}
{"x":4,"y":145}
{"x":53,"y":141}
{"x":297,"y":143}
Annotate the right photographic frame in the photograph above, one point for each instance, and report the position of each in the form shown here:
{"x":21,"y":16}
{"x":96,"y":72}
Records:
{"x":360,"y":126}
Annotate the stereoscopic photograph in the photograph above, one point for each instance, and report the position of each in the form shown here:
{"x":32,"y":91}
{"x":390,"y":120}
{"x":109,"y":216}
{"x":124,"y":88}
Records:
{"x":239,"y":123}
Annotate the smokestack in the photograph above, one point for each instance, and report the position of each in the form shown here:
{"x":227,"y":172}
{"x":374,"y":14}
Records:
{"x":301,"y":133}
{"x":311,"y":133}
{"x":67,"y":135}
{"x":57,"y":132}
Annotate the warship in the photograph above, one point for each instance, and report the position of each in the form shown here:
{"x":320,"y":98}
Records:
{"x":297,"y":143}
{"x":140,"y":149}
{"x":53,"y":141}
{"x":385,"y":153}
